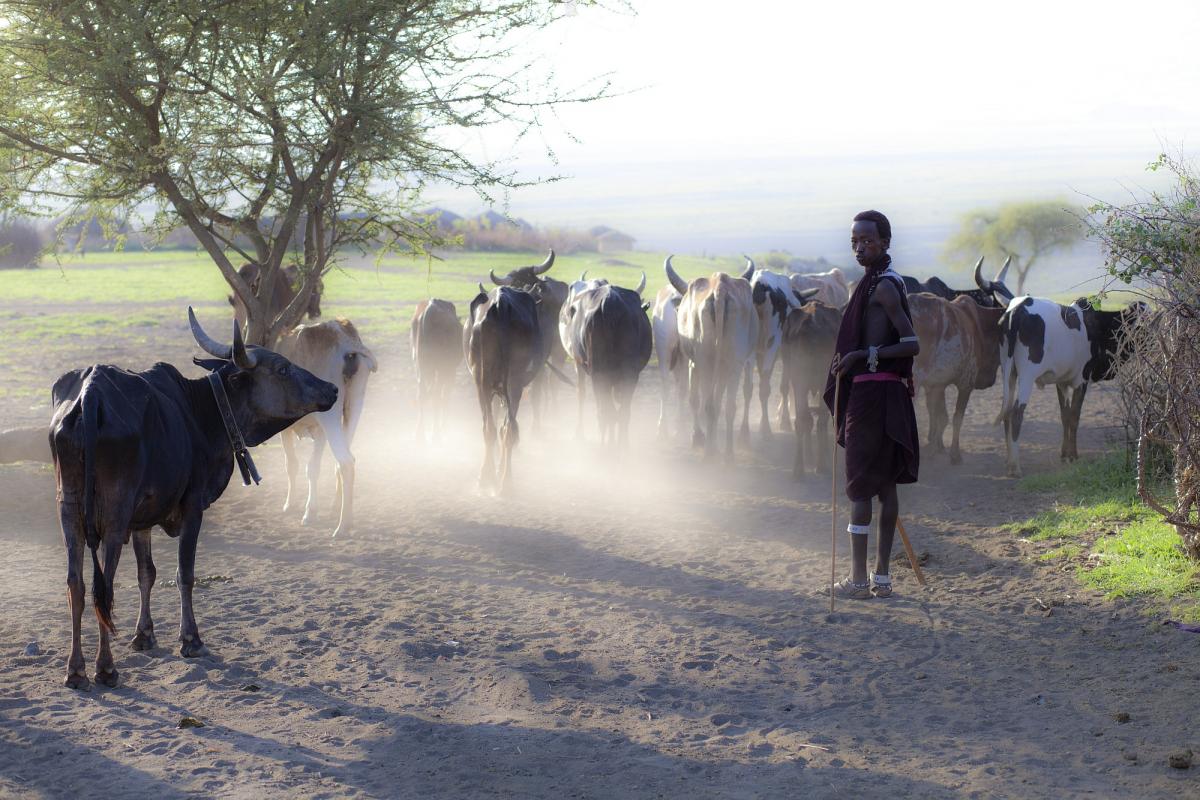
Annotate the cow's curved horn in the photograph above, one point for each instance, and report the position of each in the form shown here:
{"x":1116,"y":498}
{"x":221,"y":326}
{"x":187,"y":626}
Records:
{"x":980,"y":281}
{"x":545,"y":265}
{"x":1003,"y":271}
{"x":679,"y":283}
{"x":241,"y":356}
{"x":749,"y":273}
{"x":481,"y":289}
{"x":206,"y":342}
{"x":505,"y":281}
{"x":583,"y":276}
{"x":641,"y":287}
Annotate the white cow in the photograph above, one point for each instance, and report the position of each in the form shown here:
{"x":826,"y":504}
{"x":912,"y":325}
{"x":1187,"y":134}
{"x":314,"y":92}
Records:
{"x":718,"y":331}
{"x":834,"y":289}
{"x":664,"y":324}
{"x":334,"y":352}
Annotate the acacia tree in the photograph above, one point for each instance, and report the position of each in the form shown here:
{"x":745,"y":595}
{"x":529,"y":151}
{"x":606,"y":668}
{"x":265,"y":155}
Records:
{"x":1023,"y":231}
{"x":276,"y":131}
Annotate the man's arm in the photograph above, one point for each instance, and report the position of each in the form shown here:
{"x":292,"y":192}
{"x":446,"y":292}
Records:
{"x":889,"y":299}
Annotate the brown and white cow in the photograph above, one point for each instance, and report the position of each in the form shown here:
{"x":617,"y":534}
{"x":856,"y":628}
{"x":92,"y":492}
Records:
{"x":809,"y":336}
{"x":436,"y":335}
{"x":284,"y":285}
{"x":718,"y":332}
{"x":960,"y":347}
{"x":333,"y":352}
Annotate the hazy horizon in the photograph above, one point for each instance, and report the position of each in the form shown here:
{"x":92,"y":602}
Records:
{"x":770,"y":127}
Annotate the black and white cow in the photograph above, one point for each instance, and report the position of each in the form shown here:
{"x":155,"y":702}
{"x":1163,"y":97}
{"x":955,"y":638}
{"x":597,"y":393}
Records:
{"x":1043,"y":343}
{"x":774,"y":298}
{"x":606,"y":331}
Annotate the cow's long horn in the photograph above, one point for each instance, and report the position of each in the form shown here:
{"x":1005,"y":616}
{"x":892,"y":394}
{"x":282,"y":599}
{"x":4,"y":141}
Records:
{"x":505,"y":281}
{"x":641,"y":287}
{"x":749,"y":273}
{"x":241,"y":356}
{"x":1003,"y":271}
{"x":979,"y":279}
{"x":206,"y":342}
{"x":481,"y":289}
{"x":545,"y":265}
{"x":583,"y":276}
{"x":679,"y":283}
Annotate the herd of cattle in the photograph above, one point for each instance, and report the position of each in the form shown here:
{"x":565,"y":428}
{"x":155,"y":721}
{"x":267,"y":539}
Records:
{"x":135,"y":450}
{"x":714,"y":332}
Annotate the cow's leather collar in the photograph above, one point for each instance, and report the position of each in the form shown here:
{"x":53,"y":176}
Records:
{"x":240,"y":453}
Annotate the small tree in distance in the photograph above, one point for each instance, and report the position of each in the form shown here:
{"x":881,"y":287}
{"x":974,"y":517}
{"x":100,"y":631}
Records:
{"x":1023,"y":231}
{"x":274,"y":130}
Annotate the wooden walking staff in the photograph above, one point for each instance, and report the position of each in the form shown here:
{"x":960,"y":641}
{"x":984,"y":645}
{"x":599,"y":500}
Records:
{"x":912,"y":557}
{"x":837,"y":388}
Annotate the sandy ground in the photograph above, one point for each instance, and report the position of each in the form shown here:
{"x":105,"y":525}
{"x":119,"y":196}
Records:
{"x":630,"y":628}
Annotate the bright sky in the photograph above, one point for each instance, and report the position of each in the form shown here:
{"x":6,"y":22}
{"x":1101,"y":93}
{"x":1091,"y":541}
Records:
{"x":980,"y":100}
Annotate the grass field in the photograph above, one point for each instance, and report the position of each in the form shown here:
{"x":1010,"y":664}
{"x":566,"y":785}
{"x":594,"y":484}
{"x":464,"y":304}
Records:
{"x":1116,"y":543}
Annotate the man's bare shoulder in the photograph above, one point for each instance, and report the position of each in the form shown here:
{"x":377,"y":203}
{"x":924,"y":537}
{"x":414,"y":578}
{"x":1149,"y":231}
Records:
{"x":885,"y":293}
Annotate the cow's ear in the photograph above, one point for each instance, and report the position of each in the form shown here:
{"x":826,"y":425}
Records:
{"x":210,"y":364}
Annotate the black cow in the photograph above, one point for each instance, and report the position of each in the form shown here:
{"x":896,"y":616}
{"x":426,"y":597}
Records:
{"x":610,"y":340}
{"x":505,"y":350}
{"x":985,"y":295}
{"x":551,"y":295}
{"x":137,"y":449}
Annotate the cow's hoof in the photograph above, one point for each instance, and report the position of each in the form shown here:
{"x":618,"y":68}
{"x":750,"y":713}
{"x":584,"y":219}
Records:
{"x":1014,"y":472}
{"x":797,"y":475}
{"x":697,"y":439}
{"x":193,"y":649}
{"x":77,"y":681}
{"x":144,"y":641}
{"x":955,"y":458}
{"x":108,"y":678}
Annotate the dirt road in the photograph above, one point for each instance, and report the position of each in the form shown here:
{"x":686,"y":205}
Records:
{"x":635,"y":628}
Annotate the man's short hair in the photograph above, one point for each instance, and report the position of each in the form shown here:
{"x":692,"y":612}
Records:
{"x":881,"y":222}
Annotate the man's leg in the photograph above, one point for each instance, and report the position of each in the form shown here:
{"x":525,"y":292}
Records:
{"x":860,"y":523}
{"x":889,"y":512}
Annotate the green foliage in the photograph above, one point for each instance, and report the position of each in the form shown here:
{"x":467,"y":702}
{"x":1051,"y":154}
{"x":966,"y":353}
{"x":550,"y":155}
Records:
{"x":1124,"y":547}
{"x":1156,"y":238}
{"x":1023,"y":231}
{"x":283,"y":132}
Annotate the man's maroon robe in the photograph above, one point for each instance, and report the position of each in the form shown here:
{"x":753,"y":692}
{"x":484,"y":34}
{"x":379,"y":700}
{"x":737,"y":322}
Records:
{"x":875,"y":419}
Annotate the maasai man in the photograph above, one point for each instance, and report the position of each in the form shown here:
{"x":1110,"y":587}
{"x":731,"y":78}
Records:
{"x":875,"y":419}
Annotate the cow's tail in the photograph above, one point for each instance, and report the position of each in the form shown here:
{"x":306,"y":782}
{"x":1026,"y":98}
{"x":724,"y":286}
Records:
{"x":101,"y":585}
